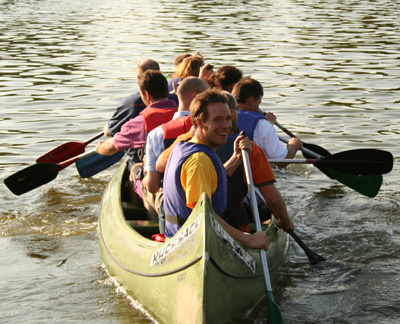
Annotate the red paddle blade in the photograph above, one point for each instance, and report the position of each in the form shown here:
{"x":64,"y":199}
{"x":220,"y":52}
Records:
{"x":63,"y":152}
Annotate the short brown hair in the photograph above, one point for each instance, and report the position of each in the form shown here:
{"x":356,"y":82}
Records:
{"x":199,"y":105}
{"x":155,"y":83}
{"x":247,"y":88}
{"x":226,"y":76}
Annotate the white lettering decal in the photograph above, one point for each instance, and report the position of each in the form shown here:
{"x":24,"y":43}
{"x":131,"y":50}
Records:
{"x":175,"y":242}
{"x":239,"y":251}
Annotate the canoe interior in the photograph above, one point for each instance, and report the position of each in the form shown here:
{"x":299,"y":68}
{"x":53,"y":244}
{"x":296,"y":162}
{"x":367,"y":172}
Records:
{"x":206,"y":278}
{"x":135,"y":213}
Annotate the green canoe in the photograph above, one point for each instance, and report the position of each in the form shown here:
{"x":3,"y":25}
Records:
{"x":200,"y":276}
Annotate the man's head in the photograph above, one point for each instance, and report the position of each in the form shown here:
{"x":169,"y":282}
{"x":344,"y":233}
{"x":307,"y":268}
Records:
{"x":178,"y":60}
{"x":225,"y":78}
{"x":145,"y":65}
{"x":233,"y":107}
{"x":211,"y":118}
{"x":153,"y":86}
{"x":248,"y":93}
{"x":190,"y":66}
{"x":188,"y":89}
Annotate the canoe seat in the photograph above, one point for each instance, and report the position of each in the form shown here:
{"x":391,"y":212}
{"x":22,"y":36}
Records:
{"x":145,"y":227}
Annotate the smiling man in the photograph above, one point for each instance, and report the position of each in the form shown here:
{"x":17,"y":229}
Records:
{"x":194,"y":168}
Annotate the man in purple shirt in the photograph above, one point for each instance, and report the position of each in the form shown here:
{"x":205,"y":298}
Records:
{"x":131,"y":106}
{"x":154,"y":93}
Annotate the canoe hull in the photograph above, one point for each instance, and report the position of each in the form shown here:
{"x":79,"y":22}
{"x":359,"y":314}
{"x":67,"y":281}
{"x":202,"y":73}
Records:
{"x":200,"y":276}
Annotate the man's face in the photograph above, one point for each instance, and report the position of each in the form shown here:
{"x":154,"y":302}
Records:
{"x":234,"y":114}
{"x":218,"y":125}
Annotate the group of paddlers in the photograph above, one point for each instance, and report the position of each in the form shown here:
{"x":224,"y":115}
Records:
{"x":183,"y":139}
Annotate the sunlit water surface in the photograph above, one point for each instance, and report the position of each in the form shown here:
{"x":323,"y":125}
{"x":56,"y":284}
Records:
{"x":330,"y":72}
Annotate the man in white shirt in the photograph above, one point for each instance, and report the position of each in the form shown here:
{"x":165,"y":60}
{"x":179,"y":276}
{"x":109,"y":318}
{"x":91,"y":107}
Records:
{"x":259,"y":126}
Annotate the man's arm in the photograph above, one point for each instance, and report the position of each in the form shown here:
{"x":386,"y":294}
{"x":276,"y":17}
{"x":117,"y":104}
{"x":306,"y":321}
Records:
{"x":160,"y":165}
{"x":107,"y":131}
{"x":258,"y":240}
{"x":198,"y":176}
{"x":241,"y":143}
{"x":106,"y":147}
{"x":266,"y":137}
{"x":154,"y":148}
{"x":264,"y":179}
{"x":152,"y":181}
{"x":293,"y":146}
{"x":277,"y":206}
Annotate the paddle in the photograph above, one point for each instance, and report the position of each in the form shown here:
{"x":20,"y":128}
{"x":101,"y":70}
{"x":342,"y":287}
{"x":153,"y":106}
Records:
{"x":96,"y":163}
{"x":66,"y":151}
{"x":274,"y":313}
{"x":38,"y":174}
{"x":313,"y":257}
{"x":359,"y":161}
{"x":309,"y":150}
{"x":366,"y":185}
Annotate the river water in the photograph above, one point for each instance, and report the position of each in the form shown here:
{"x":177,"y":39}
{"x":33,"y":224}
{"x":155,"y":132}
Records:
{"x":330,"y":72}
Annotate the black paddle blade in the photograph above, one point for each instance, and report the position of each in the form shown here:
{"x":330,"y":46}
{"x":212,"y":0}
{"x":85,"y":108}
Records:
{"x":313,"y":257}
{"x":31,"y":177}
{"x":360,"y":162}
{"x":320,"y":151}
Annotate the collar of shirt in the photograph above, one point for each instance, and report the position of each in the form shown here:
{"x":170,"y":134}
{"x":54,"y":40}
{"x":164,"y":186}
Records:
{"x":180,"y":114}
{"x":163,"y":104}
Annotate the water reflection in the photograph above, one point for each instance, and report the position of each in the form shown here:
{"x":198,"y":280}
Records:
{"x":330,"y":73}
